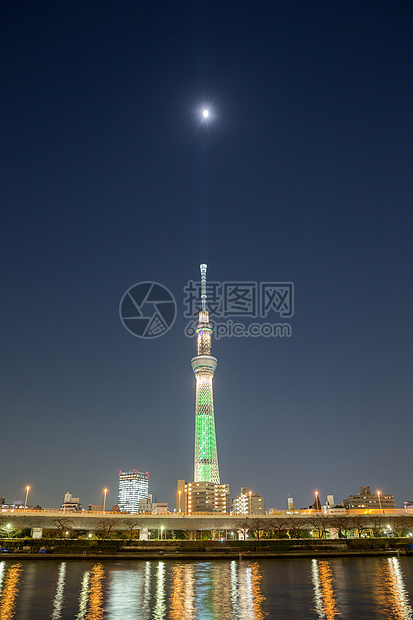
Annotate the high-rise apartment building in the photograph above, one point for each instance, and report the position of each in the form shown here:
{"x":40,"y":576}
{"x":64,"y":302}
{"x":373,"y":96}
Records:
{"x":133,"y":486}
{"x":202,"y":497}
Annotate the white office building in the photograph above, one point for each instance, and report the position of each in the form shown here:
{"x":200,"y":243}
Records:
{"x":133,"y":486}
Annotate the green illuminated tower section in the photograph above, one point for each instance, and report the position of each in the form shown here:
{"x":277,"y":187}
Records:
{"x":206,"y":457}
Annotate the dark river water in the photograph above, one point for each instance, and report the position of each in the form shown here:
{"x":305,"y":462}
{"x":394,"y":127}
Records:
{"x":354,"y":588}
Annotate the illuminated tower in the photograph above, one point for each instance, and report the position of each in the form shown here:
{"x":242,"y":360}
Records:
{"x":206,"y":457}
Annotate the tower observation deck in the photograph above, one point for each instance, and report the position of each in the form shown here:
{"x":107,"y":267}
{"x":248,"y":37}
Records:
{"x":206,"y":458}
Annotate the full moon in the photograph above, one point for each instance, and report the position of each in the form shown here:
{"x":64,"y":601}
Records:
{"x":205,"y":113}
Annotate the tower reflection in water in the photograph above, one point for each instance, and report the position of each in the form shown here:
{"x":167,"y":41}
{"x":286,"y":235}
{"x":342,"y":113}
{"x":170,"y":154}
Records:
{"x":10,"y":591}
{"x":324,"y":600}
{"x":201,"y":591}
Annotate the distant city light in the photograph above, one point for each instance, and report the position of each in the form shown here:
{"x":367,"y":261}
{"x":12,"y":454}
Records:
{"x":205,"y":113}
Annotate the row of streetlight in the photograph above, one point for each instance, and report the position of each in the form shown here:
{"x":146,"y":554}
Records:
{"x":377,"y":492}
{"x":105,"y":492}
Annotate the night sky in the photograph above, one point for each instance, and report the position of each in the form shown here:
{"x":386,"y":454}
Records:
{"x":109,"y":177}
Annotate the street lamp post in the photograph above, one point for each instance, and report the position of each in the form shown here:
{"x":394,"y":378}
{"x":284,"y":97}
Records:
{"x":162,"y":529}
{"x":378,"y":495}
{"x":179,"y":504}
{"x":104,"y":499}
{"x":250,"y":502}
{"x":27,"y":495}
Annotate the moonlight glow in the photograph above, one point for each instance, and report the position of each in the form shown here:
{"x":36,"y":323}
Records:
{"x":205,"y":113}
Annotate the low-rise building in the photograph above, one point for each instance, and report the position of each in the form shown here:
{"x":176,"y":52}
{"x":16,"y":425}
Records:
{"x":366,"y":499}
{"x":145,"y":504}
{"x":248,"y":503}
{"x":160,"y":508}
{"x":70,"y":503}
{"x":17,"y":504}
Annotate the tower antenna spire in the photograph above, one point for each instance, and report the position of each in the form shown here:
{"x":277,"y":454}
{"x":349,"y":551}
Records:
{"x":203,"y":268}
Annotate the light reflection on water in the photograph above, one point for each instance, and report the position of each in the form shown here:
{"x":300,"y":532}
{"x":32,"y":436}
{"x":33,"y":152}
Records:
{"x":397,"y":596}
{"x":335,"y":589}
{"x":324,"y":597}
{"x":58,"y":599}
{"x":96,"y":609}
{"x":257,"y":596}
{"x":10,"y":591}
{"x":83,"y":596}
{"x":146,"y":609}
{"x":216,"y":590}
{"x":182,"y":600}
{"x":2,"y":571}
{"x":160,"y":607}
{"x":125,"y":591}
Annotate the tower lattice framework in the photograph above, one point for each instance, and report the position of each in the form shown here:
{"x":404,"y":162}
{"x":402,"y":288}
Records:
{"x":206,"y":457}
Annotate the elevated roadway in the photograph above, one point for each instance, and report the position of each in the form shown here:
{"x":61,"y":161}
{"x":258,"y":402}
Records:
{"x":91,"y":521}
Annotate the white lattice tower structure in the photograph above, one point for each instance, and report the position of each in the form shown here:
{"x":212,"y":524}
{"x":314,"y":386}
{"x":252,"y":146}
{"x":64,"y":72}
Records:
{"x":206,"y":457}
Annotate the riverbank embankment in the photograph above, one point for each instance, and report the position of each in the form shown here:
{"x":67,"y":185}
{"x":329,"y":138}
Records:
{"x":203,"y":549}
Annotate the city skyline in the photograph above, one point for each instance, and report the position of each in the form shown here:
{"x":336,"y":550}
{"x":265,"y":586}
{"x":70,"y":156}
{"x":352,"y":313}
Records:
{"x":112,"y":176}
